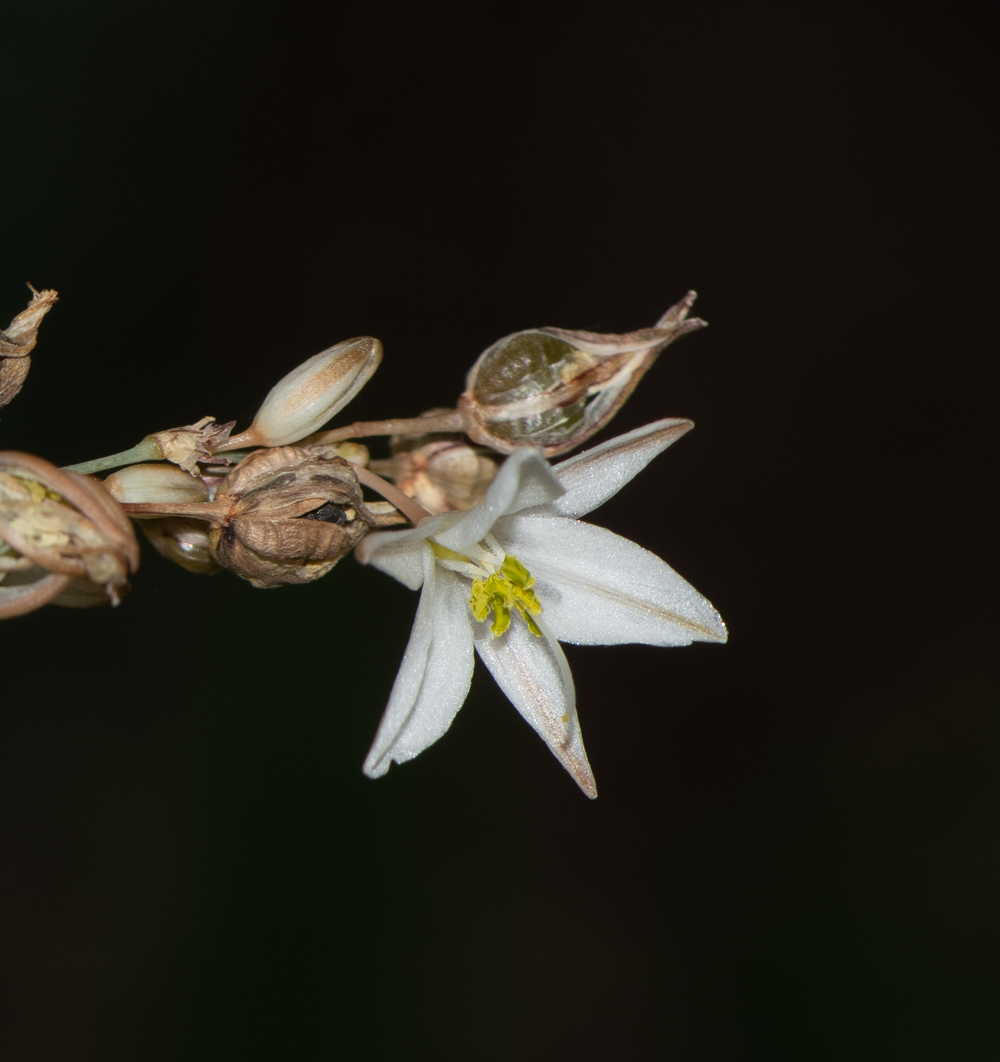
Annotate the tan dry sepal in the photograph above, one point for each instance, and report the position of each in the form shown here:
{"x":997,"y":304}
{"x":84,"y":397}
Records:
{"x":192,"y":443}
{"x":64,"y":524}
{"x":17,"y":342}
{"x":554,"y":388}
{"x":287,"y":516}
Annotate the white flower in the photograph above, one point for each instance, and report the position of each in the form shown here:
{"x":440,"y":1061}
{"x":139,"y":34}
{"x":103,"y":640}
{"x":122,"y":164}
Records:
{"x":523,"y":554}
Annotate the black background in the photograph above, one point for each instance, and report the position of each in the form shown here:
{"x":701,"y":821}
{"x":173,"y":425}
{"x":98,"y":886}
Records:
{"x":793,"y":854}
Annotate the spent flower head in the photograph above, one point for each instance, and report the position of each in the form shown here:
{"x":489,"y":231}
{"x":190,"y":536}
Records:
{"x":56,"y":527}
{"x":17,"y":342}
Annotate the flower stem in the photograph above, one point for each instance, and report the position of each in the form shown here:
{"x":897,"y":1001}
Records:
{"x":449,"y":421}
{"x":403,"y":502}
{"x":147,"y":450}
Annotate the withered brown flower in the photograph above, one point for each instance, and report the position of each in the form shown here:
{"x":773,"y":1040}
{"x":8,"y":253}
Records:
{"x":441,"y":471}
{"x":17,"y":342}
{"x":63,"y":538}
{"x":188,"y":445}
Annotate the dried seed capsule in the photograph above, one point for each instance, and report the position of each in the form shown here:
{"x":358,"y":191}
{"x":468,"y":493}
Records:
{"x":286,"y":515}
{"x":554,"y":388}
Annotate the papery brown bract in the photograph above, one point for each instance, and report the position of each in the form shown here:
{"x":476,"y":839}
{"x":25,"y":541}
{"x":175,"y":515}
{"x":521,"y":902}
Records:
{"x":188,"y":445}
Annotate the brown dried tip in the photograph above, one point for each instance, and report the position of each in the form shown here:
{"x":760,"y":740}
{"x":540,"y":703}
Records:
{"x":192,"y":443}
{"x":286,"y":515}
{"x":554,"y":388}
{"x":63,"y":538}
{"x":17,"y":342}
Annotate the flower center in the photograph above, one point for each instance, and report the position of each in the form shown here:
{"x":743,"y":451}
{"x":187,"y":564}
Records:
{"x":501,"y":584}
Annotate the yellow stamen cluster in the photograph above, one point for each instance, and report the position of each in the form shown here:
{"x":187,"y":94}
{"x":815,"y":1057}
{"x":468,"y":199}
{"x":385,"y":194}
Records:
{"x":512,"y":587}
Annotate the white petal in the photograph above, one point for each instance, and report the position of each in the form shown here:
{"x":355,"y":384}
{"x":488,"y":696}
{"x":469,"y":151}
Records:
{"x":399,"y":553}
{"x":533,"y":672}
{"x":434,"y":677}
{"x":523,"y":479}
{"x":590,"y":478}
{"x":597,"y":588}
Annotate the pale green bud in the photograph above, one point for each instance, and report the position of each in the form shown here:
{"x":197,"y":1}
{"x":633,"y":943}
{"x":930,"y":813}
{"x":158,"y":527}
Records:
{"x":155,"y":484}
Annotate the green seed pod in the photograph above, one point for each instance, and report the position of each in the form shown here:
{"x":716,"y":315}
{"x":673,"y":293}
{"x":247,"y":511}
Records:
{"x":554,"y":388}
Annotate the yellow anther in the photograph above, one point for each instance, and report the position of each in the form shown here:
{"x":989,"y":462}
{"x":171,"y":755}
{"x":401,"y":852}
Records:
{"x":510,"y":588}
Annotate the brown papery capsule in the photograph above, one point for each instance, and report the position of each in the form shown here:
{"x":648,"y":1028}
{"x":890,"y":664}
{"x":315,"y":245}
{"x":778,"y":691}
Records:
{"x":554,"y":388}
{"x":286,"y":515}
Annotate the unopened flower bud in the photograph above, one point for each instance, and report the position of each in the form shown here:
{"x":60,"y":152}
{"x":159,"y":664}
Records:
{"x":310,"y":395}
{"x":154,"y":483}
{"x":554,"y":388}
{"x":56,"y":526}
{"x":183,"y":541}
{"x":286,"y":515}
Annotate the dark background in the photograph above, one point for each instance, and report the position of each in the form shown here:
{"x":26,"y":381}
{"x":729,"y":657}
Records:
{"x":794,"y":853}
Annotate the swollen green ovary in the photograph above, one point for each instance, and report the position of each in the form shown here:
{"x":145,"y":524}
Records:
{"x":522,"y":366}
